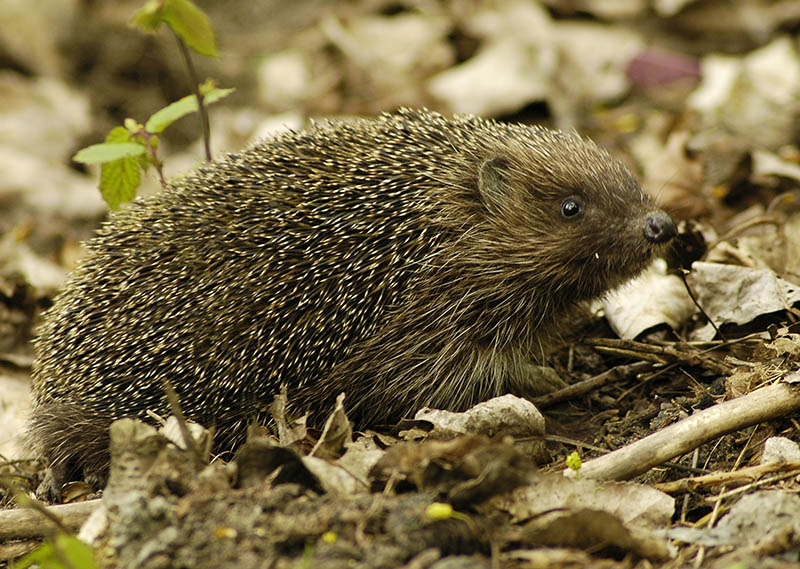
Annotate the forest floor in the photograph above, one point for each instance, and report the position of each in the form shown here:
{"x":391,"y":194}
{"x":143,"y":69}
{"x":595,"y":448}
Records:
{"x":683,"y":394}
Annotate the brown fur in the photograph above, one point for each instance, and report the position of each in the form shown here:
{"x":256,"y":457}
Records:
{"x":408,"y":260}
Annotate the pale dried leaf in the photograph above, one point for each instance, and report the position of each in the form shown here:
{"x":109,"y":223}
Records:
{"x":757,"y":96}
{"x":333,"y":478}
{"x":336,"y":434}
{"x":733,"y":294}
{"x":502,"y":77}
{"x":15,"y":406}
{"x":749,"y":520}
{"x":634,"y":504}
{"x":651,"y":299}
{"x":592,"y":529}
{"x":508,"y":415}
{"x":769,"y":164}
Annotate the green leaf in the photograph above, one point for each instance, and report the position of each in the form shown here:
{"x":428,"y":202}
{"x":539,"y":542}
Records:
{"x":119,"y":180}
{"x":119,"y":134}
{"x":66,"y":552}
{"x":163,"y":118}
{"x":149,"y":17}
{"x":192,"y":25}
{"x":132,"y":126}
{"x":102,"y":153}
{"x":78,"y":553}
{"x":118,"y":144}
{"x":215,"y":95}
{"x":207,"y":86}
{"x":574,"y":461}
{"x":38,"y":555}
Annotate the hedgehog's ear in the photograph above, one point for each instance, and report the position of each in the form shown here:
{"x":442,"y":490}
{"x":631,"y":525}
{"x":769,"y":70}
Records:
{"x":493,"y":185}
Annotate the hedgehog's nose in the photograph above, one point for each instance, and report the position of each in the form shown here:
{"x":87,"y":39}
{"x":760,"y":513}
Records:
{"x":659,"y":227}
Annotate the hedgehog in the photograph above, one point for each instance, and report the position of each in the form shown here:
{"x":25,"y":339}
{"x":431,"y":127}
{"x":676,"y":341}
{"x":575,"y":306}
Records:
{"x":408,"y":260}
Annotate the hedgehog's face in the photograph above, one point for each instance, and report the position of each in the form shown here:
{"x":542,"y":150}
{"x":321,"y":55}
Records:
{"x":573,"y":216}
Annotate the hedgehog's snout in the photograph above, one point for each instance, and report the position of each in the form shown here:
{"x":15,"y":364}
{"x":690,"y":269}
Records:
{"x":659,"y":227}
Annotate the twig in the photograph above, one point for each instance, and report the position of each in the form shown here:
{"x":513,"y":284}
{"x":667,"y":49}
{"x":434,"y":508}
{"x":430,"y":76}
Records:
{"x":26,"y":523}
{"x":682,"y":275}
{"x":174,"y":404}
{"x":644,"y":381}
{"x":678,"y":352}
{"x":685,"y":505}
{"x":752,"y":486}
{"x":587,"y":385}
{"x":16,"y":549}
{"x":742,"y":476}
{"x":201,"y":108}
{"x":682,"y":437}
{"x":742,"y":227}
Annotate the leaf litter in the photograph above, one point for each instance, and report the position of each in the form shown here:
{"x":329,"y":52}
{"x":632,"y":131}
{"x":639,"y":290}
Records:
{"x":700,"y":98}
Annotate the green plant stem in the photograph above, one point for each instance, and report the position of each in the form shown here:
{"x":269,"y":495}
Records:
{"x":201,"y":108}
{"x":159,"y":166}
{"x":146,"y":139}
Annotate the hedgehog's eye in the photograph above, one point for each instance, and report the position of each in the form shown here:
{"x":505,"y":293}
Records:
{"x":571,"y":208}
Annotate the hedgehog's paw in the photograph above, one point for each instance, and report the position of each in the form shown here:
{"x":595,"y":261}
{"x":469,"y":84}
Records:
{"x":535,"y":380}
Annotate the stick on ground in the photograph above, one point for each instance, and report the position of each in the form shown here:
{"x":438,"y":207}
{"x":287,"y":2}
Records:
{"x":682,"y":437}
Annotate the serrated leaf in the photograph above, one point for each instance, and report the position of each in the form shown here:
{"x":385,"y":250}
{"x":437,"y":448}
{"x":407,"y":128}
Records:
{"x":144,"y":161}
{"x":119,"y":134}
{"x":163,"y":118}
{"x":149,"y":17}
{"x":192,"y":25}
{"x":103,"y":153}
{"x":119,"y":180}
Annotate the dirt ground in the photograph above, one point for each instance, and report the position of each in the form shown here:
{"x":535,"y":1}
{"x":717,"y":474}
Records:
{"x":682,"y":400}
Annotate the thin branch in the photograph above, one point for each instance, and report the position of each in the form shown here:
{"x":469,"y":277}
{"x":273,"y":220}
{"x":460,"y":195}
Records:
{"x":26,"y":522}
{"x":201,"y":108}
{"x":763,"y":404}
